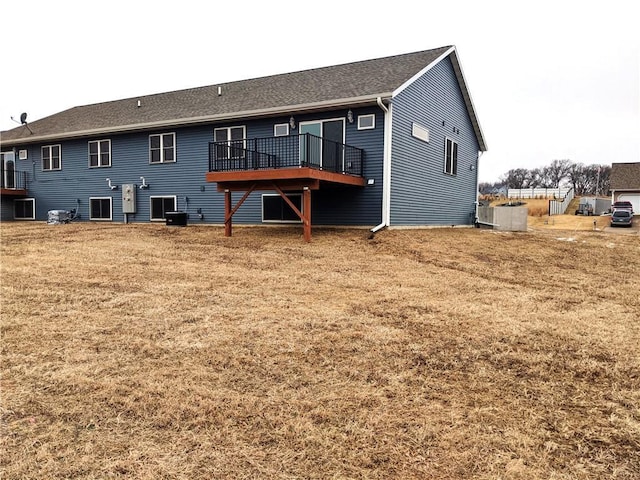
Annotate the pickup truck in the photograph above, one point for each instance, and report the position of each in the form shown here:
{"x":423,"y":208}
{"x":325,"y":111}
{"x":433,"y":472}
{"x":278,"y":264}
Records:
{"x":622,"y":206}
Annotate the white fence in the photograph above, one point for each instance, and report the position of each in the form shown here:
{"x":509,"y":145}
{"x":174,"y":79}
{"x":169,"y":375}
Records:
{"x":558,"y":207}
{"x":557,"y":192}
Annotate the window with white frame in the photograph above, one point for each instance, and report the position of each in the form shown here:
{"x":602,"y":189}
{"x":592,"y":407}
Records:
{"x":276,"y":210}
{"x":281,"y":130}
{"x":161,"y":205}
{"x":162,"y":148}
{"x":51,"y":157}
{"x":100,"y":153}
{"x":366,"y":122}
{"x":24,"y":209}
{"x":234,"y":137}
{"x":450,"y":157}
{"x":100,"y":208}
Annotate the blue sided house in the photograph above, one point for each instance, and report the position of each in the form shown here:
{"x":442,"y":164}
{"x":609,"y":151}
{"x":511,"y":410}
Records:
{"x":387,"y":142}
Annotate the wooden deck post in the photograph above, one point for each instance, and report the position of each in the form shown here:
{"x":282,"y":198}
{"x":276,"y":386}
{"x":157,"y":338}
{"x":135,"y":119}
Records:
{"x":227,"y":213}
{"x":306,"y":209}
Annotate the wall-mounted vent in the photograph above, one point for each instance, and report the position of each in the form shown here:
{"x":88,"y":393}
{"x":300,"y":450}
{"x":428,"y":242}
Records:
{"x":420,"y":132}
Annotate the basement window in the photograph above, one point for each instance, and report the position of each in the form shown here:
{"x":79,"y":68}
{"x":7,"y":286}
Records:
{"x":161,"y":205}
{"x":100,"y":208}
{"x":24,"y":209}
{"x":276,"y":210}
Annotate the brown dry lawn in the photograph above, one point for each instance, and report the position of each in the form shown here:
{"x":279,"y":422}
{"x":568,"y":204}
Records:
{"x":154,"y":352}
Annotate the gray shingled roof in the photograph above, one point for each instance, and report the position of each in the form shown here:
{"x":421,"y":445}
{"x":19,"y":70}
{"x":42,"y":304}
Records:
{"x":340,"y":85}
{"x":625,"y":176}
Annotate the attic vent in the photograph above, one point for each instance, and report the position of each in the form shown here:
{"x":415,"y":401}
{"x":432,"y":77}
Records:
{"x":420,"y":132}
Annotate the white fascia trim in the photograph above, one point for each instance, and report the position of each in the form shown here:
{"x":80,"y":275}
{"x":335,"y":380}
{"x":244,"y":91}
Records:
{"x":399,"y":90}
{"x":457,"y":68}
{"x":247,"y":114}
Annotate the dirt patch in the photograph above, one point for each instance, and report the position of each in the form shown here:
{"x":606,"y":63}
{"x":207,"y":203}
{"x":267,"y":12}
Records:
{"x":145,"y":351}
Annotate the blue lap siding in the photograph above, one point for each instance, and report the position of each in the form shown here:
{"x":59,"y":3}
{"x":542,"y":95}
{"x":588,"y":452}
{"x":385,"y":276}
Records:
{"x":421,"y":193}
{"x":74,"y":185}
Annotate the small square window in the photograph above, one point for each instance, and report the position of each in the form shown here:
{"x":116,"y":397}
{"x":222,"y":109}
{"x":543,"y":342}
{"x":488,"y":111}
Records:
{"x":24,"y":209}
{"x":276,"y":210}
{"x":366,"y":122}
{"x":281,"y":130}
{"x":100,"y":208}
{"x":161,"y":205}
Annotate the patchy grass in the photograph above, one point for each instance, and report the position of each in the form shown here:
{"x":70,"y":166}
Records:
{"x":145,"y":351}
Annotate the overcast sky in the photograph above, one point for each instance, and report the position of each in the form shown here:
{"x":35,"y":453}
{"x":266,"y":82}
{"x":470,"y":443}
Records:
{"x":549,"y":79}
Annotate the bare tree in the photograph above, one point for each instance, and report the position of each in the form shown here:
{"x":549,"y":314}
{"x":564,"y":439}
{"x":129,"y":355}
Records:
{"x":534,"y":178}
{"x":557,"y":171}
{"x":592,"y":179}
{"x":515,"y":178}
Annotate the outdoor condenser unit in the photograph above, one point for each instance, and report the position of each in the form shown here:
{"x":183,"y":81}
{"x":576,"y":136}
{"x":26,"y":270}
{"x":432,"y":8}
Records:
{"x":57,"y":217}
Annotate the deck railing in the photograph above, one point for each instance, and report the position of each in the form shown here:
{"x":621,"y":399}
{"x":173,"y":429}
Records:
{"x":12,"y":179}
{"x":304,"y":150}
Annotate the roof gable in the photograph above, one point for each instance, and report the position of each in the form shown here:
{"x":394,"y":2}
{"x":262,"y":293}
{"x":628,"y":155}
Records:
{"x":625,"y":176}
{"x":340,"y":85}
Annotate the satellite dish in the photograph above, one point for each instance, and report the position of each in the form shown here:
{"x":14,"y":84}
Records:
{"x":23,"y":118}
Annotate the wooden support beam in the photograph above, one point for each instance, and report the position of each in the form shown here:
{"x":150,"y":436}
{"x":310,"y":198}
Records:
{"x":306,"y":209}
{"x":228,"y":211}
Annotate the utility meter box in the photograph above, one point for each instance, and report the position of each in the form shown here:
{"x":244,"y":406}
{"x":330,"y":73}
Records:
{"x":128,"y":198}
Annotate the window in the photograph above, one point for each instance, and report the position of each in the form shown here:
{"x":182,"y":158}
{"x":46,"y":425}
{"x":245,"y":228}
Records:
{"x":420,"y":132}
{"x":234,"y":137}
{"x":24,"y":209}
{"x":51,"y":157}
{"x":100,"y":153}
{"x":281,"y":130}
{"x":162,"y":205}
{"x":450,"y":157}
{"x":162,"y":148}
{"x":276,"y":210}
{"x":100,"y":208}
{"x":366,"y":122}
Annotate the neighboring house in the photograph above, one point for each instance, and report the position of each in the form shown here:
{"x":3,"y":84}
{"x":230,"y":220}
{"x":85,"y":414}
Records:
{"x":499,"y":191}
{"x":393,"y":141}
{"x":625,"y":184}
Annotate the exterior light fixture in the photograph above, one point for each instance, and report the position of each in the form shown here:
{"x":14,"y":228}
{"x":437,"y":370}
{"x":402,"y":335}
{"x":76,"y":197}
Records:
{"x":350,"y":116}
{"x":292,"y":123}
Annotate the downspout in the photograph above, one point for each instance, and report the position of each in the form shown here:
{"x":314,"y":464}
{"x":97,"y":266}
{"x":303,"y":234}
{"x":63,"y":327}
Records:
{"x":476,"y":221}
{"x":386,"y":169}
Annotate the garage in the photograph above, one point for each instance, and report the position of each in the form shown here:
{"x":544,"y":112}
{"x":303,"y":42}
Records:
{"x":634,"y":198}
{"x":624,"y":184}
